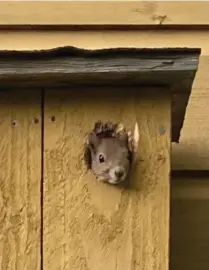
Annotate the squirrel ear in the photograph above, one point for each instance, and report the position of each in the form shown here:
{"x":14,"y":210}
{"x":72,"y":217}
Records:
{"x":136,"y":137}
{"x":133,"y":138}
{"x":92,"y":141}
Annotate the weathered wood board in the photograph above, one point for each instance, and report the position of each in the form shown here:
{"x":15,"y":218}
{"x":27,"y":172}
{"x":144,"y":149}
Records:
{"x":90,"y":225}
{"x":20,"y":177}
{"x":189,"y":224}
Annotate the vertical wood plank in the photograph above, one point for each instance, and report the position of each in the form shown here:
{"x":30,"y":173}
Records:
{"x":20,"y":176}
{"x":89,"y":225}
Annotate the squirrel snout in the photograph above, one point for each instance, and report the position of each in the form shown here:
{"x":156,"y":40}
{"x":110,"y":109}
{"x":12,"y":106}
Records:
{"x":117,"y":175}
{"x":119,"y":172}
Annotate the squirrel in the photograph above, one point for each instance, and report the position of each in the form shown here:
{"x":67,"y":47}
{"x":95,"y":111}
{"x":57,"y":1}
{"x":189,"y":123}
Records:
{"x":109,"y":151}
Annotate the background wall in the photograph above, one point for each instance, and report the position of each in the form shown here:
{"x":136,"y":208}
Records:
{"x":189,"y":223}
{"x":190,"y":198}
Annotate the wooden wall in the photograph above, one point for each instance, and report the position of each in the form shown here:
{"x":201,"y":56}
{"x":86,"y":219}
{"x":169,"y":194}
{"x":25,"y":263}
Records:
{"x":193,"y":151}
{"x":90,"y":225}
{"x":189,"y":224}
{"x":58,"y":214}
{"x":20,"y":179}
{"x":102,"y":12}
{"x":20,"y":219}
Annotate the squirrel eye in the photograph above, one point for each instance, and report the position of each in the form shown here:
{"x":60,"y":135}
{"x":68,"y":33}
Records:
{"x":101,"y":158}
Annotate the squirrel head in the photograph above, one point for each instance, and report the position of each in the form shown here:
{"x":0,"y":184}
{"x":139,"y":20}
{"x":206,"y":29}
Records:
{"x":109,"y":151}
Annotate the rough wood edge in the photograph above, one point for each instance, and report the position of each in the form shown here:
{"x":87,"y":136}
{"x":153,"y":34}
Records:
{"x":174,"y":68}
{"x":72,"y":51}
{"x":104,"y":13}
{"x":39,"y":40}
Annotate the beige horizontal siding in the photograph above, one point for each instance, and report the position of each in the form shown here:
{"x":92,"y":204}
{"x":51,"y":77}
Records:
{"x":104,"y":12}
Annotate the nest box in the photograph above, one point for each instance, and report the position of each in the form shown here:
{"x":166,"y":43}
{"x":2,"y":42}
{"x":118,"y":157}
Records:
{"x":87,"y":224}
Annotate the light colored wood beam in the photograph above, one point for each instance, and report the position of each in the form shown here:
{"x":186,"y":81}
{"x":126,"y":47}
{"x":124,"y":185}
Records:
{"x":104,"y":13}
{"x":91,"y":225}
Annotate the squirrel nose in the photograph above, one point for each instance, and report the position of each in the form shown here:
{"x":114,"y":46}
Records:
{"x":119,"y":173}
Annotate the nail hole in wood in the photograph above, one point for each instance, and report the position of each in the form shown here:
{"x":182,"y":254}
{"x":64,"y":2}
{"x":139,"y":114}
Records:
{"x":14,"y":122}
{"x":53,"y":118}
{"x":36,"y":120}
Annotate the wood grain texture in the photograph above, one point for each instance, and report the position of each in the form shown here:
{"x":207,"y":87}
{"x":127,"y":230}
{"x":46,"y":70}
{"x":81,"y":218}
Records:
{"x":90,"y":225}
{"x":189,"y":224}
{"x":20,"y":176}
{"x":104,"y":13}
{"x":71,"y":60}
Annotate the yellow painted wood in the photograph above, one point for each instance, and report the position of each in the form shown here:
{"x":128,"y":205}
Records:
{"x":104,"y":12}
{"x":20,"y":176}
{"x":92,"y":225}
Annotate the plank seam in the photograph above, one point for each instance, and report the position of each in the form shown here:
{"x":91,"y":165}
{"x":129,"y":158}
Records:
{"x":42,"y":180}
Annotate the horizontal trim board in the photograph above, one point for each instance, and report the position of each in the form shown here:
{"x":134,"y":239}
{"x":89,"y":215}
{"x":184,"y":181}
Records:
{"x":71,"y":60}
{"x":189,"y":188}
{"x":103,"y":27}
{"x":104,"y":12}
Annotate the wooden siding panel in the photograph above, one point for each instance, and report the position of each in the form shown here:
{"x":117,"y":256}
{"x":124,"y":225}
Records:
{"x":91,"y":225}
{"x":104,"y":13}
{"x":20,"y":176}
{"x":189,"y":224}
